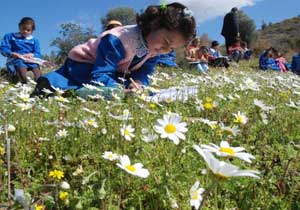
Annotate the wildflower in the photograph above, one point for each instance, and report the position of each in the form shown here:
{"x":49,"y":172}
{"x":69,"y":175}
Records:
{"x":11,"y":128}
{"x":62,"y":134}
{"x":56,"y":174}
{"x":61,"y":99}
{"x":91,"y":122}
{"x":136,"y":169}
{"x":78,"y":171}
{"x":225,"y":150}
{"x":65,"y":185}
{"x":127,"y":132}
{"x":234,"y":131}
{"x":24,"y":106}
{"x":196,"y":195}
{"x":240,"y":118}
{"x":262,"y":106}
{"x":63,"y":195}
{"x":171,"y":127}
{"x":38,"y":207}
{"x":108,"y":155}
{"x":222,"y":169}
{"x":149,"y":138}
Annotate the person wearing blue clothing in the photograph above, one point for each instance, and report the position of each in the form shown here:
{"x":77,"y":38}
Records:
{"x":267,"y":60}
{"x":168,"y":59}
{"x":296,"y":64}
{"x":19,"y":46}
{"x":124,"y":55}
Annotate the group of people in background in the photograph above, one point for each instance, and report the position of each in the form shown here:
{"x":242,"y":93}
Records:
{"x":274,"y":60}
{"x":132,"y":52}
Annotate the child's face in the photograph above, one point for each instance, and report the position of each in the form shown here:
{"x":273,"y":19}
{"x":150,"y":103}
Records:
{"x":163,"y":41}
{"x":26,"y":30}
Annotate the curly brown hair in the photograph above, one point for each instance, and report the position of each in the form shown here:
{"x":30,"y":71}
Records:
{"x":173,"y":17}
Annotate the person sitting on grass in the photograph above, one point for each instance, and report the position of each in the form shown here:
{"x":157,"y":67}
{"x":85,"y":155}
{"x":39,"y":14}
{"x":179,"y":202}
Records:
{"x":236,"y":52}
{"x":121,"y":59}
{"x":281,"y":62}
{"x":202,"y":59}
{"x":21,"y":46}
{"x":246,"y":52}
{"x":296,"y":63}
{"x":190,"y":53}
{"x":267,"y":60}
{"x":215,"y":58}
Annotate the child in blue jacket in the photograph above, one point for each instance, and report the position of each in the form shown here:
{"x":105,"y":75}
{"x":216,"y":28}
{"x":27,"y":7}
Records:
{"x":296,"y":64}
{"x":267,"y":60}
{"x":21,"y":46}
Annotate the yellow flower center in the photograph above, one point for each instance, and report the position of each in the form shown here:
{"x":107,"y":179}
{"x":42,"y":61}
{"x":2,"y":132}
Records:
{"x":239,"y":119}
{"x":221,"y":176}
{"x":126,"y":132}
{"x":110,"y":156}
{"x":227,"y":150}
{"x":170,"y":128}
{"x":152,"y":106}
{"x":130,"y":168}
{"x":91,"y":121}
{"x":208,"y":105}
{"x":195,"y":195}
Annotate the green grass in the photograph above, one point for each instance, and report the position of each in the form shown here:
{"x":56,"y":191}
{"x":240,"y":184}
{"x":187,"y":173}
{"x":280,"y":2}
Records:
{"x":275,"y":146}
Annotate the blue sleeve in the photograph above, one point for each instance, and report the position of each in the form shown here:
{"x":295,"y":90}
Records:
{"x":37,"y":50}
{"x":110,"y":51}
{"x":146,"y":69}
{"x":294,"y":64}
{"x":5,"y":46}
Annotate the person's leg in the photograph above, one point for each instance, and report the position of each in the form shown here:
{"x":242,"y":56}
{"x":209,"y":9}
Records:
{"x":22,"y":71}
{"x":36,"y":73}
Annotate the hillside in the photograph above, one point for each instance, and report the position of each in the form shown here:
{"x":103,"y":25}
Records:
{"x":282,"y":35}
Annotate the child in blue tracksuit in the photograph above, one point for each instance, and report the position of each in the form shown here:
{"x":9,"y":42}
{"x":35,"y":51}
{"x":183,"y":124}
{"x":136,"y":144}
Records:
{"x":267,"y":60}
{"x":296,"y":64}
{"x":19,"y":46}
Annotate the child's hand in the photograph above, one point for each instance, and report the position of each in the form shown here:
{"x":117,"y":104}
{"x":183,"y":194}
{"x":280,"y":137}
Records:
{"x":28,"y":55}
{"x":16,"y":55}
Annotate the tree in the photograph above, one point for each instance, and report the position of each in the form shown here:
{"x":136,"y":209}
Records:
{"x":247,"y":28}
{"x":125,"y":15}
{"x":264,"y":25}
{"x":71,"y":34}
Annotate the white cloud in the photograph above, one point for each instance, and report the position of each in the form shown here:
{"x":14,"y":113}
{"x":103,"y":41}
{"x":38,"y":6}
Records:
{"x":207,"y":9}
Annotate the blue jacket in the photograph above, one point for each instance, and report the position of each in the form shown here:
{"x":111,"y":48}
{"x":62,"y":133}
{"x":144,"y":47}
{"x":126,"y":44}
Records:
{"x":15,"y":42}
{"x":267,"y":63}
{"x":296,"y":64}
{"x":168,"y":59}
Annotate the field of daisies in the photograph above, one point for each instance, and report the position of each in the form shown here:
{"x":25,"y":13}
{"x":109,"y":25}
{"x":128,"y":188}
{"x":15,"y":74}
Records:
{"x":228,"y":139}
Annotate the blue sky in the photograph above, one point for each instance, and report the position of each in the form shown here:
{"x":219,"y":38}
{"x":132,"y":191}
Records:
{"x":49,"y":14}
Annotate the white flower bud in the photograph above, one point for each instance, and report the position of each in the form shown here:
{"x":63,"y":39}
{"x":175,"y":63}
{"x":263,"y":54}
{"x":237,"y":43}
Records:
{"x":65,"y":185}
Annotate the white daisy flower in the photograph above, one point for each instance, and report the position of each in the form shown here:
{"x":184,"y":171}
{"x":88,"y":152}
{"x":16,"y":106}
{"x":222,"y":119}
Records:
{"x":223,"y":169}
{"x":240,"y":118}
{"x":91,"y":122}
{"x":62,"y":134}
{"x":149,"y":137}
{"x":61,"y":99}
{"x":135,"y":169}
{"x":196,"y":195}
{"x":108,"y":155}
{"x":24,"y":106}
{"x":127,"y":132}
{"x":225,"y":150}
{"x":171,"y":127}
